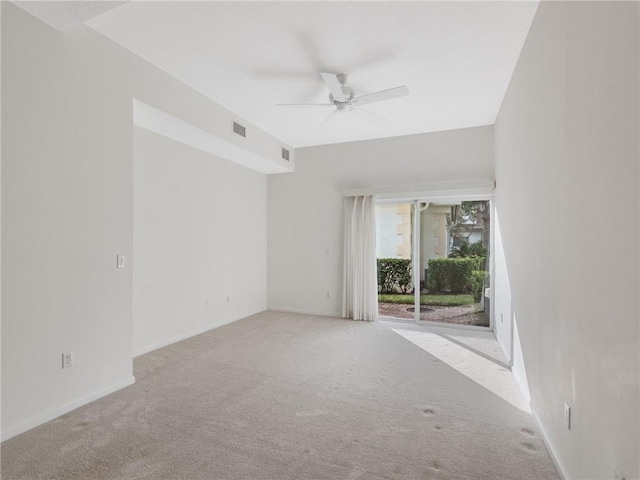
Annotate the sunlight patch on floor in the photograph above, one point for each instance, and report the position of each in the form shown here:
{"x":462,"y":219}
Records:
{"x":486,"y":373}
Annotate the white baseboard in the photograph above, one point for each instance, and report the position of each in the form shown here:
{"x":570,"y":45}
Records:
{"x":552,"y":451}
{"x":527,"y":398}
{"x":183,"y":336}
{"x":506,"y":354}
{"x":67,"y":407}
{"x":305,"y":312}
{"x":523,"y":389}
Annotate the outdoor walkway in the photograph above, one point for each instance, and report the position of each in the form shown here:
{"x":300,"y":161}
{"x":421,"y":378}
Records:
{"x":463,"y":315}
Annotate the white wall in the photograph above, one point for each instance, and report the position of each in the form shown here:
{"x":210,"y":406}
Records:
{"x":66,"y":214}
{"x":67,"y":211}
{"x":502,"y":299}
{"x":567,"y":168}
{"x":305,"y":207}
{"x":0,"y":211}
{"x":199,"y":236}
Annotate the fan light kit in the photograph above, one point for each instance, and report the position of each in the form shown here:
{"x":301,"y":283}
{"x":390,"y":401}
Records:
{"x":343,"y":99}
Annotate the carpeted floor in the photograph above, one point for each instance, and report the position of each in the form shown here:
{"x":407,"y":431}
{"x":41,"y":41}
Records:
{"x":284,"y":396}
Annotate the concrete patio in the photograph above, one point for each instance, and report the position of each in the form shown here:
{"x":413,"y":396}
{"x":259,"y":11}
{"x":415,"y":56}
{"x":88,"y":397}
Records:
{"x":461,"y":315}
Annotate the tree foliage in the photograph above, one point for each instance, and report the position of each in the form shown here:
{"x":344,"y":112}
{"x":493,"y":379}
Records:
{"x":466,"y":250}
{"x":476,"y":211}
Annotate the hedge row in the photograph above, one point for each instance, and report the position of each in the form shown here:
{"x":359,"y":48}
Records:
{"x":444,"y":275}
{"x":394,"y":275}
{"x":455,"y":275}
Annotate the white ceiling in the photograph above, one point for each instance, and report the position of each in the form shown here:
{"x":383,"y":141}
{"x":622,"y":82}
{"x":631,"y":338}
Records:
{"x":456,"y":58}
{"x":66,"y":14}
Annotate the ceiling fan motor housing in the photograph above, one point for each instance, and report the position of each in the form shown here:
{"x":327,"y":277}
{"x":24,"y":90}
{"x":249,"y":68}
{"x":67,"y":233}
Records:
{"x":347,"y":92}
{"x":346,"y":101}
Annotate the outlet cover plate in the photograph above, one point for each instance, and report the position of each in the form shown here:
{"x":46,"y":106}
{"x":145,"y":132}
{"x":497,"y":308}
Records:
{"x":67,"y":360}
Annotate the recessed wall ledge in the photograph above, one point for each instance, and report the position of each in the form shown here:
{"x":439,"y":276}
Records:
{"x":157,"y":121}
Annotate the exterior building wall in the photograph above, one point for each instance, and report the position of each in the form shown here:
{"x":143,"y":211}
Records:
{"x":404,"y":231}
{"x":393,"y":231}
{"x":433,"y":235}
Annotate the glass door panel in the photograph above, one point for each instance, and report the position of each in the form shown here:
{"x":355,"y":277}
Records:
{"x":394,"y":252}
{"x":454,"y":262}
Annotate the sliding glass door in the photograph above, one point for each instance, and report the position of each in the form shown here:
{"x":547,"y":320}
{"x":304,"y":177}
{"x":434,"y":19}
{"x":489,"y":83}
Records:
{"x":394,"y":252}
{"x":433,"y":261}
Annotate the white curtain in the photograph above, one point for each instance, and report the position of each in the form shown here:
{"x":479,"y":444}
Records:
{"x":360,"y":291}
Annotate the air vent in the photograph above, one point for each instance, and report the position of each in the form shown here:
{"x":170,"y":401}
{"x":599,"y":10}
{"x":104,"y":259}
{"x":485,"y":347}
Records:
{"x":239,"y":129}
{"x":285,"y":154}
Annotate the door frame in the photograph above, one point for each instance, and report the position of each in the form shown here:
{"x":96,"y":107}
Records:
{"x":416,"y":200}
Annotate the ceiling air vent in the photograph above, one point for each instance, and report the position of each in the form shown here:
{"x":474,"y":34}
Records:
{"x":239,"y":129}
{"x":285,"y":154}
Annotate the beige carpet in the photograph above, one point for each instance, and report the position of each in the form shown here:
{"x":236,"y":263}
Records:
{"x":283,"y":396}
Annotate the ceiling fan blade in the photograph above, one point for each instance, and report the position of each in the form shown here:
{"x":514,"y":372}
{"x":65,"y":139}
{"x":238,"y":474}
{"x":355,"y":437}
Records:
{"x":374,"y":117}
{"x":306,"y":105}
{"x":326,"y":120}
{"x":372,"y":60}
{"x":333,"y":84}
{"x":279,"y":74}
{"x":382,"y":95}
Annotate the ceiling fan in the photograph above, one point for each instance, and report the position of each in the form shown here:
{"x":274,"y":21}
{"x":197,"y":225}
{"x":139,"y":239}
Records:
{"x":343,"y":99}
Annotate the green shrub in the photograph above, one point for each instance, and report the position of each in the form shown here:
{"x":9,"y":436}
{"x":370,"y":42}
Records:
{"x":394,"y":275}
{"x":479,"y":262}
{"x":477,"y":279}
{"x":452,"y":275}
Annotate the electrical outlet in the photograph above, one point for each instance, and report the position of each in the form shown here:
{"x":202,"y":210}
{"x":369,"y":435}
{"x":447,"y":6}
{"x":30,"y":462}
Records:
{"x":617,"y":475}
{"x":67,"y":360}
{"x":567,"y":416}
